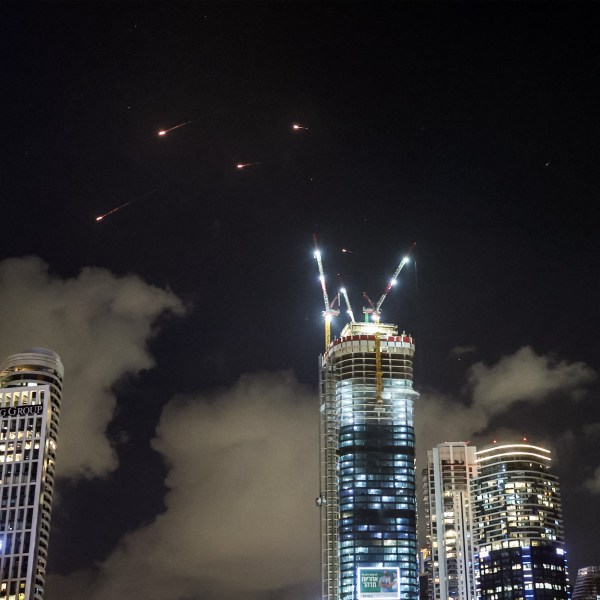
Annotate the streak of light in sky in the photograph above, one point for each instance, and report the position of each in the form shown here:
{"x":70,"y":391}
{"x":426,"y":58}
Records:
{"x":296,"y":127}
{"x":114,"y":210}
{"x":165,"y":131}
{"x":244,"y":165}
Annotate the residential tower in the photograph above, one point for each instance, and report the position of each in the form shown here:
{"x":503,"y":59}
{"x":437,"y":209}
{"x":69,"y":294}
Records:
{"x":30,"y":393}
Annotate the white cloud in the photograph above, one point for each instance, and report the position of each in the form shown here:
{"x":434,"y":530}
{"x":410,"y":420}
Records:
{"x":593,"y":483}
{"x":100,"y":325}
{"x":240,"y":513}
{"x":525,"y":376}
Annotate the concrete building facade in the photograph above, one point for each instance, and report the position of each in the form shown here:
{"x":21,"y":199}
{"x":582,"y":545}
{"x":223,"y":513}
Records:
{"x":447,"y":479}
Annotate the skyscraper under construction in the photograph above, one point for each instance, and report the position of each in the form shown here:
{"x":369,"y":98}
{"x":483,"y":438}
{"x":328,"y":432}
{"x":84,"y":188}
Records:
{"x":367,"y":500}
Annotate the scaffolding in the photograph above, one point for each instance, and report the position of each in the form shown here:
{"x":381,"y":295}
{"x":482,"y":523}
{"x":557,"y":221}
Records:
{"x":329,"y":500}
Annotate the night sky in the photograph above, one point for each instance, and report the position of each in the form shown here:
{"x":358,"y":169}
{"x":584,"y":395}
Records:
{"x":189,"y":321}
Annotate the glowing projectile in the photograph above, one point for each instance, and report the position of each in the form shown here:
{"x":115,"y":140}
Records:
{"x":296,"y":127}
{"x":165,"y":131}
{"x":110,"y":212}
{"x":114,"y":210}
{"x":244,"y":165}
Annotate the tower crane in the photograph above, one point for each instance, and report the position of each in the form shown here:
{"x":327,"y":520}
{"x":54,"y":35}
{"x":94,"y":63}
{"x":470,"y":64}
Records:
{"x":368,"y":311}
{"x":329,"y":311}
{"x":375,"y":310}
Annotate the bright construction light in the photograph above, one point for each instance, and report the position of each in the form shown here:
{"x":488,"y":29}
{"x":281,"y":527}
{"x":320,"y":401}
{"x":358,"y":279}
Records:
{"x":317,"y":253}
{"x":405,"y":259}
{"x":343,"y":290}
{"x":328,"y":318}
{"x":393,"y":282}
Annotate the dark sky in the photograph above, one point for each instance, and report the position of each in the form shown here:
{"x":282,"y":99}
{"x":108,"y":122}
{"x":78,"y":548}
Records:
{"x":472,"y":129}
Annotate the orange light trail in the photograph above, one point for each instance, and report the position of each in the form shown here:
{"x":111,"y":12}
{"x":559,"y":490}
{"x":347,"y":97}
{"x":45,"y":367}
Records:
{"x":163,"y":132}
{"x":114,"y":210}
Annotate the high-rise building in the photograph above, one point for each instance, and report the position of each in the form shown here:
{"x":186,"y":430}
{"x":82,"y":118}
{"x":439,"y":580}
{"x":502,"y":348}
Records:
{"x":587,"y":586}
{"x":519,"y":539}
{"x":368,"y":500}
{"x":30,"y":392}
{"x":448,"y":514}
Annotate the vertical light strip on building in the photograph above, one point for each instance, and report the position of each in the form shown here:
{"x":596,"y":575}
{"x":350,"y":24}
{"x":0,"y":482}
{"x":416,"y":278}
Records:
{"x":368,"y":501}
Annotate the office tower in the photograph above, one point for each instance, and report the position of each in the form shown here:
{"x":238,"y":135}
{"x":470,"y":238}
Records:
{"x":368,"y":503}
{"x":446,"y":492}
{"x":587,"y":586}
{"x":30,"y":392}
{"x":518,"y":525}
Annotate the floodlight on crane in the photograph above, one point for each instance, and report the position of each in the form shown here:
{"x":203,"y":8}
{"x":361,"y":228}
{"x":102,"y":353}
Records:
{"x":375,"y":309}
{"x":344,"y":292}
{"x":329,"y":311}
{"x":348,"y":307}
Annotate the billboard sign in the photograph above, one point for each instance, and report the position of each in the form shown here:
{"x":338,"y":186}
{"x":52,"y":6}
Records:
{"x":378,"y":583}
{"x":22,"y":411}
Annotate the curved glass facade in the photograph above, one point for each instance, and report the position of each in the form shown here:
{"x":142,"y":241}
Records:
{"x":518,"y":525}
{"x":368,"y":460}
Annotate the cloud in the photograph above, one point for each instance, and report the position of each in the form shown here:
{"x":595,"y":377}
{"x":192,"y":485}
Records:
{"x":593,"y":483}
{"x":591,"y":430}
{"x":525,"y":376}
{"x":240,"y":513}
{"x":491,"y":391}
{"x":100,"y":325}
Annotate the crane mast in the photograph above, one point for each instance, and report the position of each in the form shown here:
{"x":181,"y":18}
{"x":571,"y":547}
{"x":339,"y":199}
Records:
{"x":329,"y":311}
